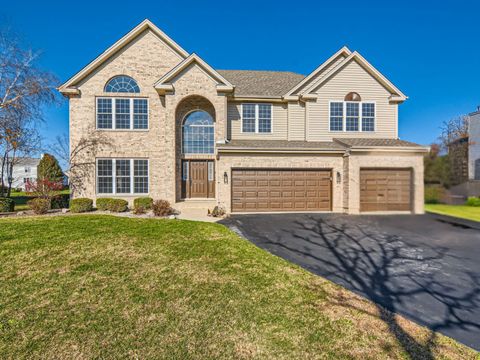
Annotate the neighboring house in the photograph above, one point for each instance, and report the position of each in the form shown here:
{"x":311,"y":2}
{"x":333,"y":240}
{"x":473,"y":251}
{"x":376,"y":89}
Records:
{"x":24,"y":171}
{"x":249,"y":141}
{"x":474,"y":145}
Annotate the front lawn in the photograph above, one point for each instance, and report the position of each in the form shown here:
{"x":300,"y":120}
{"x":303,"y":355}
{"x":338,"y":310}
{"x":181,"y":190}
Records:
{"x":92,"y":286}
{"x":460,"y":211}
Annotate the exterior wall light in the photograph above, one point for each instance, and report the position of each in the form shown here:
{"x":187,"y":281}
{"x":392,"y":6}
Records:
{"x":339,"y":177}
{"x":225,"y":177}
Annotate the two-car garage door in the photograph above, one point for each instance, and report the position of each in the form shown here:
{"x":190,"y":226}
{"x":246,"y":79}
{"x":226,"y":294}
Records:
{"x":257,"y":190}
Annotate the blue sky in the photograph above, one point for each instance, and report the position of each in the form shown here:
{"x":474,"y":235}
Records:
{"x":428,"y":49}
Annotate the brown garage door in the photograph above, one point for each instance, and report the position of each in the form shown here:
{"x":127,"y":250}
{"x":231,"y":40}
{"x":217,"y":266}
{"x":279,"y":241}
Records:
{"x":385,"y":189}
{"x":281,"y":190}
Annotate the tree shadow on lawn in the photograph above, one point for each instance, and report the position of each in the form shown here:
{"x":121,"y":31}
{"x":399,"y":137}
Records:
{"x":384,"y":269}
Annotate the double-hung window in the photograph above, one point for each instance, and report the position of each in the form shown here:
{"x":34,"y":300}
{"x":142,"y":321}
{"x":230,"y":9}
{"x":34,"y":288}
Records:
{"x":256,"y":118}
{"x":122,"y":113}
{"x":122,"y":176}
{"x":352,"y":116}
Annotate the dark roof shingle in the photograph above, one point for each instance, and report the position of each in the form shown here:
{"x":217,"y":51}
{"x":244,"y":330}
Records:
{"x":372,"y":142}
{"x":261,"y":83}
{"x":282,"y":144}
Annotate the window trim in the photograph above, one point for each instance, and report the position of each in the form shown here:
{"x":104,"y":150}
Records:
{"x":114,"y":98}
{"x":360,"y":115}
{"x":114,"y":177}
{"x":257,"y":119}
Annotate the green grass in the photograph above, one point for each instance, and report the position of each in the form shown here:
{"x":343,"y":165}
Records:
{"x":460,"y":211}
{"x":106,"y":287}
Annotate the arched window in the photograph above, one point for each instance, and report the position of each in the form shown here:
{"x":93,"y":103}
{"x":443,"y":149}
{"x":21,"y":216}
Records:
{"x":353,"y":96}
{"x":122,"y":84}
{"x":198,"y":133}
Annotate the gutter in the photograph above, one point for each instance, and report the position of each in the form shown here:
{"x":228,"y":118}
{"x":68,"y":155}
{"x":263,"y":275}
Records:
{"x":283,"y":151}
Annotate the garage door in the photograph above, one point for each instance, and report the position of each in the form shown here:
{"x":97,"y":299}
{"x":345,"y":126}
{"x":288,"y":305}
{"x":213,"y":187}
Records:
{"x":385,"y":189}
{"x":281,"y":190}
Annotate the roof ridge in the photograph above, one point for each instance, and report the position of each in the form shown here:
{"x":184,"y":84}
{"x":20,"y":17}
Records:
{"x":274,"y":71}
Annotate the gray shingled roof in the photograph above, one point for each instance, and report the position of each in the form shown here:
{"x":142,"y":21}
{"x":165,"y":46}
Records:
{"x":261,"y":83}
{"x":281,"y":144}
{"x":337,"y":144}
{"x":367,"y":142}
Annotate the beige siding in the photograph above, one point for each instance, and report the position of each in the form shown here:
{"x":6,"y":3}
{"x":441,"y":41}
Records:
{"x":296,"y":121}
{"x":351,"y":78}
{"x":279,"y":123}
{"x":321,"y":75}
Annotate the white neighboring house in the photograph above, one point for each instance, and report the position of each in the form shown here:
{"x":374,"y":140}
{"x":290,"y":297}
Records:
{"x":24,"y":170}
{"x":474,"y":146}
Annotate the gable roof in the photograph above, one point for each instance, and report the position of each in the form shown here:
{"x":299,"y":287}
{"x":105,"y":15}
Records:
{"x":344,"y":51}
{"x":357,"y":143}
{"x":255,"y":83}
{"x":67,"y":87}
{"x":164,"y":83}
{"x":397,"y":95}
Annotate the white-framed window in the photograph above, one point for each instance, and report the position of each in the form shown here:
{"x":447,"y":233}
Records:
{"x":122,"y":113}
{"x":257,"y":118}
{"x":122,"y":176}
{"x":352,"y":116}
{"x":198,"y":133}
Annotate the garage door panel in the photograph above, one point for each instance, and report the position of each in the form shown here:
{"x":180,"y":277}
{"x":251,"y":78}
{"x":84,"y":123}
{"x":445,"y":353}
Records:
{"x":281,"y":190}
{"x":385,"y":189}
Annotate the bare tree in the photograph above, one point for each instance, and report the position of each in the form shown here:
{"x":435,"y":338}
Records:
{"x":79,"y":157}
{"x":453,"y":130}
{"x":24,"y":89}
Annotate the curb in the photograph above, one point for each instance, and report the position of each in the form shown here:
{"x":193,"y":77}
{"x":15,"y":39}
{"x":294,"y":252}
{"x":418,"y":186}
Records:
{"x":455,"y":221}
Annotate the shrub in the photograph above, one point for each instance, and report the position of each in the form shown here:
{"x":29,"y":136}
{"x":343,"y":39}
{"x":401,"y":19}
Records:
{"x":473,"y":201}
{"x":39,"y":205}
{"x":139,"y":210}
{"x":110,"y":204}
{"x":434,"y":194}
{"x":6,"y":204}
{"x":103,"y":204}
{"x":81,"y":205}
{"x":218,"y":211}
{"x":145,"y":202}
{"x":61,"y":201}
{"x":118,"y":205}
{"x":161,"y":208}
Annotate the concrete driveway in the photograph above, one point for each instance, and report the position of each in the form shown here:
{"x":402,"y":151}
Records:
{"x":419,"y":266}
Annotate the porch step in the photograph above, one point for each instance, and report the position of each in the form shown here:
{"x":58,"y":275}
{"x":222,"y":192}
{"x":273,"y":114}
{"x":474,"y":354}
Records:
{"x":195,"y":204}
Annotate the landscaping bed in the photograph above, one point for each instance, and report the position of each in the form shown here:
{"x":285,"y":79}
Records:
{"x":109,"y":287}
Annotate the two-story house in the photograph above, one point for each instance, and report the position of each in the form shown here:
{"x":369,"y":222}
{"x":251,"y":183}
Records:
{"x":24,"y":170}
{"x":474,"y":145}
{"x":250,"y":141}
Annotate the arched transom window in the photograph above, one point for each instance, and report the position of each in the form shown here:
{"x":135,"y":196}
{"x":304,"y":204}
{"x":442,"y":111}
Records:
{"x":122,"y":84}
{"x":198,"y":133}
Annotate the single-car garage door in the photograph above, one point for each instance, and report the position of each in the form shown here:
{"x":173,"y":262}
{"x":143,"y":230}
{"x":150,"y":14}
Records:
{"x":385,"y":189}
{"x":281,"y":190}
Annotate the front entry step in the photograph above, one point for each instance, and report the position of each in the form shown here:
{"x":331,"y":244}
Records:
{"x":196,"y":204}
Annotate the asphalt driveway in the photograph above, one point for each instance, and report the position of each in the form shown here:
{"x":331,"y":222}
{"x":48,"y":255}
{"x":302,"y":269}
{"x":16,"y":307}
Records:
{"x":419,"y":266}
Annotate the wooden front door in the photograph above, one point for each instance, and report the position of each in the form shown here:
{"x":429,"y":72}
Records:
{"x":198,"y":179}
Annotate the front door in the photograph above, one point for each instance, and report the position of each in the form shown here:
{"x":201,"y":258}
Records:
{"x":198,"y":179}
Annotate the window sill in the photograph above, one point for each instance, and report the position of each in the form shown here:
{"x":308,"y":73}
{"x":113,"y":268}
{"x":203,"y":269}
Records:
{"x":103,"y":195}
{"x":124,"y":130}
